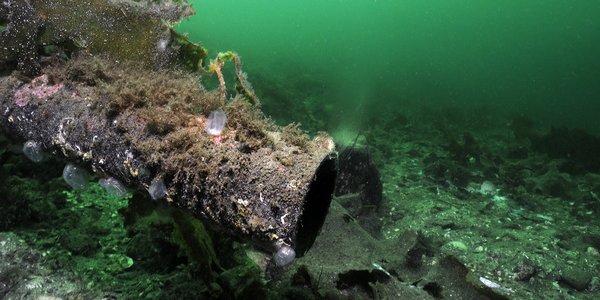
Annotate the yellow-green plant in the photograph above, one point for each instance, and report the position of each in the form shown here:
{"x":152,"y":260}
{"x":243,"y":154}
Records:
{"x":216,"y":66}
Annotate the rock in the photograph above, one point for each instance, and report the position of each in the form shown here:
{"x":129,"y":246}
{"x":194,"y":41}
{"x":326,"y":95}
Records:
{"x":577,"y":278}
{"x":457,"y":245}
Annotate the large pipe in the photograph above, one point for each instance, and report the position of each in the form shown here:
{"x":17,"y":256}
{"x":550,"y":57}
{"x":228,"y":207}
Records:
{"x":265,"y":184}
{"x":145,"y":125}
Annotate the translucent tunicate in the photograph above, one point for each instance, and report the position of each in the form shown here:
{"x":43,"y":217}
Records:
{"x":75,"y":176}
{"x":144,"y":173}
{"x":33,"y":151}
{"x":487,"y":188}
{"x":162,"y":44}
{"x":284,"y":256}
{"x":113,"y":187}
{"x":157,"y":189}
{"x":216,"y":122}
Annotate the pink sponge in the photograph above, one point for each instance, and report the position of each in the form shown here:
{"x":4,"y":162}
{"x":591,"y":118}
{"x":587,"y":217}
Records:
{"x":38,"y":88}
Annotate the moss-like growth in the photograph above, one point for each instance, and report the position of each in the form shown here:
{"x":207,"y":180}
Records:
{"x":161,"y":120}
{"x":295,"y":136}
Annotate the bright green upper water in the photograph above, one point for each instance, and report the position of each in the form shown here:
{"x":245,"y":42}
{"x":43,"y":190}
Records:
{"x":534,"y":56}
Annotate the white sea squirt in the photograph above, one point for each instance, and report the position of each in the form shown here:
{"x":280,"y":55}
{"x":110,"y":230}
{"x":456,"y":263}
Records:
{"x":33,"y":151}
{"x":216,"y":122}
{"x":284,"y":256}
{"x":75,"y":176}
{"x":157,"y":189}
{"x":162,"y":44}
{"x":113,"y":187}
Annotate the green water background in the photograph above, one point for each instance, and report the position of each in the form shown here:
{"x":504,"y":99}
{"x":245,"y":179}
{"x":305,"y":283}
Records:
{"x":539,"y":57}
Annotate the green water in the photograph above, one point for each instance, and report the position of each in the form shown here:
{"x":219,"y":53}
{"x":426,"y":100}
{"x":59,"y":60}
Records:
{"x":539,"y":57}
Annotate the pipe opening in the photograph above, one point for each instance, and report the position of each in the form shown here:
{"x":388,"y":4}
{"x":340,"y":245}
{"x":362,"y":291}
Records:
{"x":317,"y":201}
{"x":3,"y":24}
{"x":4,"y":16}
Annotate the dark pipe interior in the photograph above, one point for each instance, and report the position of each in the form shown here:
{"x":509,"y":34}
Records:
{"x":316,"y":205}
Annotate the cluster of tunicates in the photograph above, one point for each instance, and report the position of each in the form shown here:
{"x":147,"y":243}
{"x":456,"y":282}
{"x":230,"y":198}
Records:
{"x":113,"y":187}
{"x":33,"y":151}
{"x":216,"y":122}
{"x":75,"y":176}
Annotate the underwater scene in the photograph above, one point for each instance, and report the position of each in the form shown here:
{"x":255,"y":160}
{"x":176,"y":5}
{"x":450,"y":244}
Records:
{"x":331,"y":149}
